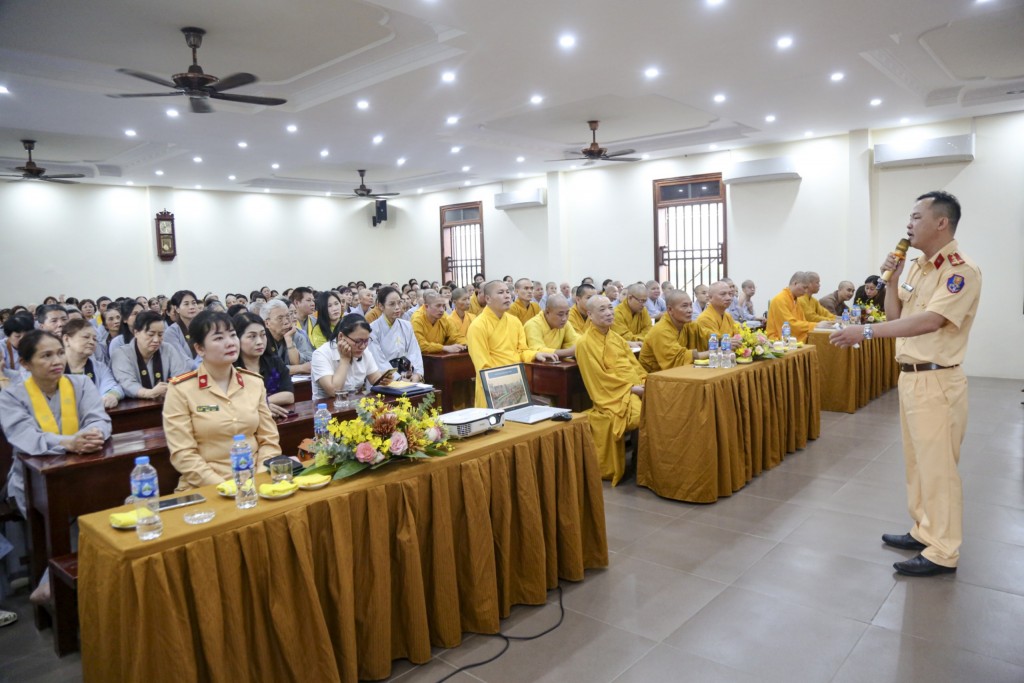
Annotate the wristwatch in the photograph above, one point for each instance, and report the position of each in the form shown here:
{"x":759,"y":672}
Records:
{"x":868,"y":333}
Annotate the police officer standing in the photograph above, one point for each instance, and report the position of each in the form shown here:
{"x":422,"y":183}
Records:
{"x":930,"y":314}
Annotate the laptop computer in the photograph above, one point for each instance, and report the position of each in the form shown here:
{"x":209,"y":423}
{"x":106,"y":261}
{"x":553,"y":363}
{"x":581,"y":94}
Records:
{"x":506,"y":388}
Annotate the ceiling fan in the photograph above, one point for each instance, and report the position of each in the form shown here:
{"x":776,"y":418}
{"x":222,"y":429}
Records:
{"x":198,"y":86}
{"x":596,"y":152}
{"x":32,"y":172}
{"x":364,"y":191}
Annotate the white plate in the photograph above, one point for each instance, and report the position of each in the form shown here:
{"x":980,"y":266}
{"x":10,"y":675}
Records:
{"x":225,"y":495}
{"x":278,"y":497}
{"x":123,"y":528}
{"x":314,"y":487}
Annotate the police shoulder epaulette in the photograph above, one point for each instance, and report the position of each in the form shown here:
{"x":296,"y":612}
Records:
{"x":246,"y":371}
{"x":181,"y":378}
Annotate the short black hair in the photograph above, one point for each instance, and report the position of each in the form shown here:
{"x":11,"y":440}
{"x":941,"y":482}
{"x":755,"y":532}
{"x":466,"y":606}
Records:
{"x":75,"y":326}
{"x":384,"y":292}
{"x":30,"y":342}
{"x":19,"y":322}
{"x":243,"y":320}
{"x":146,"y":318}
{"x":205,"y":323}
{"x":351,"y":322}
{"x":178,"y":296}
{"x":47,"y":308}
{"x":298,"y":293}
{"x":946,"y":205}
{"x":235,"y":309}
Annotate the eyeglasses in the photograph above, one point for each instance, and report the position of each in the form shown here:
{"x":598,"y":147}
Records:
{"x":361,"y":343}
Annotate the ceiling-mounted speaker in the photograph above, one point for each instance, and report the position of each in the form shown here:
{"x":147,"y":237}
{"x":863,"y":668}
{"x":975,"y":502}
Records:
{"x":380,"y":212}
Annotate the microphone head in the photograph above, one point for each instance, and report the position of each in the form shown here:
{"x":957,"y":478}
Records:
{"x":903,"y":245}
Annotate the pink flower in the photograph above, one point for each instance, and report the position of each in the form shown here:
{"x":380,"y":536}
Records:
{"x":434,"y":434}
{"x":365,"y":452}
{"x":399,"y":444}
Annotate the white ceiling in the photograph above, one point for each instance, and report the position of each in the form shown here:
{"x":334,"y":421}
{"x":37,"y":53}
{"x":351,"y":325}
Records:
{"x":926,"y":60}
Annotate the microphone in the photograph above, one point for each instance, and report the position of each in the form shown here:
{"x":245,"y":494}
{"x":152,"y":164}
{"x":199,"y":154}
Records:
{"x":901,"y":253}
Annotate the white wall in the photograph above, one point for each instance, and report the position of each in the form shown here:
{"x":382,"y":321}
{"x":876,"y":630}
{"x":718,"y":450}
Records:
{"x":88,"y":240}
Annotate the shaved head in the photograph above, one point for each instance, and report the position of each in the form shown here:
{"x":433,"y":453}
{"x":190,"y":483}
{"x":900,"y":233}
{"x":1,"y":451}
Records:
{"x":595,"y":302}
{"x":556,"y":301}
{"x":491,"y":286}
{"x":674,"y":296}
{"x":638,"y":290}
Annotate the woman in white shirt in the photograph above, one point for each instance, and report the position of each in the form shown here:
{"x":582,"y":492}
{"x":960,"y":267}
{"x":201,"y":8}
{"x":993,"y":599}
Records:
{"x":392,"y":337}
{"x":343,"y":364}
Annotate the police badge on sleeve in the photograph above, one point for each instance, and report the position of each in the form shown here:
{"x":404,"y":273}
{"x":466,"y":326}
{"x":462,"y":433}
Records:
{"x":955,"y":283}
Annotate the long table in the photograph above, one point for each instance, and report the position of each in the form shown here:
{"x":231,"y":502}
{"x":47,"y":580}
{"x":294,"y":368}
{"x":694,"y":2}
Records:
{"x":61,"y":487}
{"x":332,"y":585}
{"x":705,"y":433}
{"x":851,"y":378}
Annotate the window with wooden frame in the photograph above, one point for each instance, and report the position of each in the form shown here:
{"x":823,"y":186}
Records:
{"x":690,"y":230}
{"x":462,"y":242}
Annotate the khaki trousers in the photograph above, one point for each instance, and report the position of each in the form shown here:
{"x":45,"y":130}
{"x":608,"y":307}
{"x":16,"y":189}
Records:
{"x":933,"y":414}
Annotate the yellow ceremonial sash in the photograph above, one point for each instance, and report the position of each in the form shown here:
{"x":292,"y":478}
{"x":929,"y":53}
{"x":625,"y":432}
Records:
{"x":44,"y":416}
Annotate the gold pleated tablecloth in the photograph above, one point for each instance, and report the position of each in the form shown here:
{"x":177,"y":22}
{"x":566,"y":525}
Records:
{"x":705,"y":433}
{"x":332,"y":585}
{"x":852,"y":378}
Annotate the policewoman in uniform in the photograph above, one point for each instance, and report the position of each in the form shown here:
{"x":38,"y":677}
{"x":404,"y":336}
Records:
{"x":206,"y":408}
{"x":935,"y":306}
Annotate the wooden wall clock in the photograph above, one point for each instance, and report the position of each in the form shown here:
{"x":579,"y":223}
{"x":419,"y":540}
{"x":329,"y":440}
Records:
{"x":166,"y":245}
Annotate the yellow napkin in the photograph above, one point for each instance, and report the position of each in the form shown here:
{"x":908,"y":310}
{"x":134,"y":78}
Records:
{"x":311,"y":479}
{"x":123,"y":519}
{"x":701,"y":361}
{"x":278,"y":489}
{"x":227,"y":488}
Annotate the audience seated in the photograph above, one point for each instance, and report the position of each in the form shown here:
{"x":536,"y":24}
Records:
{"x":392,"y":341}
{"x":285,"y":341}
{"x":632,"y":322}
{"x":550,"y":332}
{"x":15,"y":328}
{"x":524,"y":307}
{"x":461,"y":317}
{"x":186,"y":308}
{"x":578,"y":313}
{"x":676,"y":339}
{"x":835,"y":303}
{"x":329,"y":310}
{"x":812,"y":308}
{"x":79,"y":346}
{"x":615,"y":382}
{"x":701,"y":293}
{"x":124,"y":311}
{"x":655,"y":304}
{"x":871,"y":292}
{"x":783,"y":308}
{"x":255,"y":356}
{"x":343,"y":364}
{"x":715,"y":319}
{"x":435,"y":332}
{"x":144,"y":366}
{"x":742,"y":309}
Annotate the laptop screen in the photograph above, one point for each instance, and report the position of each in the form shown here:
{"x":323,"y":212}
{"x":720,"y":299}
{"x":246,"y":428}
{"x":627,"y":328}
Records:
{"x":506,"y":387}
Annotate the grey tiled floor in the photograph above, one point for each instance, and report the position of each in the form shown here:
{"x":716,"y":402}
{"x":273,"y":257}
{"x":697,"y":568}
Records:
{"x":787,"y":580}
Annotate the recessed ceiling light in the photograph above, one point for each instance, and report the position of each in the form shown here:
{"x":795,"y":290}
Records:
{"x":452,"y":120}
{"x":520,"y":159}
{"x":327,"y":194}
{"x":172,"y":113}
{"x":536,"y":99}
{"x":465,"y":169}
{"x":129,"y":183}
{"x":401,"y":161}
{"x":291,"y":128}
{"x":324,"y":152}
{"x":456,"y":150}
{"x":645,"y":156}
{"x":363,"y":104}
{"x":808,"y":133}
{"x":714,"y":3}
{"x":266,"y":190}
{"x":567,"y":41}
{"x":159,"y":172}
{"x":419,"y":190}
{"x":838,"y":76}
{"x":651,"y":72}
{"x":520,"y":175}
{"x":467,"y":182}
{"x":275,"y":166}
{"x":784,"y":43}
{"x":713,"y":146}
{"x":448,"y":77}
{"x":4,"y":90}
{"x":198,"y":160}
{"x":243,"y":144}
{"x":875,"y":102}
{"x":770,"y":118}
{"x":130,"y":133}
{"x":377,"y":139}
{"x":199,"y":187}
{"x":572,"y":167}
{"x":231,"y":177}
{"x":904,"y":120}
{"x":719,"y":98}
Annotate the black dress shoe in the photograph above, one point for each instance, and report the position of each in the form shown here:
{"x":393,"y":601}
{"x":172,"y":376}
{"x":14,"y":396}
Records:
{"x":921,"y":566}
{"x":903,"y":542}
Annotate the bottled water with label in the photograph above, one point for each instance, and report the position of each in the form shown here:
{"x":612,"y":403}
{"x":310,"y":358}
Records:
{"x":146,"y":493}
{"x":846,"y":319}
{"x":713,"y":351}
{"x":728,"y":357}
{"x":243,"y":465}
{"x":855,"y":314}
{"x":785,"y":333}
{"x":320,"y":419}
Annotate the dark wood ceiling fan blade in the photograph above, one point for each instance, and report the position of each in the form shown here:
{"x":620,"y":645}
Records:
{"x":148,"y":77}
{"x":148,"y":94}
{"x":248,"y":99}
{"x":64,"y":175}
{"x":611,"y":158}
{"x":50,"y":179}
{"x":621,"y":152}
{"x":200,"y":105}
{"x":233,"y":81}
{"x":383,"y":194}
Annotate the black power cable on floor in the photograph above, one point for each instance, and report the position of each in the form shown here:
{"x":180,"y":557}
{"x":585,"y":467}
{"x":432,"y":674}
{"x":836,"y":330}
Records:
{"x":507,"y":639}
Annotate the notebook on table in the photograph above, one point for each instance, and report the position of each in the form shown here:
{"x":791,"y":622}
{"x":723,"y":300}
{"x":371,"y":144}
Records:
{"x":506,"y":388}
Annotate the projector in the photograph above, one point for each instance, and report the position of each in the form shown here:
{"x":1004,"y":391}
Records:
{"x":465,"y":423}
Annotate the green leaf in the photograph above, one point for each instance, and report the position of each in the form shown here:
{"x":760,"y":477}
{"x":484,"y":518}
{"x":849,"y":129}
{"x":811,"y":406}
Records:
{"x":322,"y":469}
{"x":415,"y":456}
{"x":350,"y":467}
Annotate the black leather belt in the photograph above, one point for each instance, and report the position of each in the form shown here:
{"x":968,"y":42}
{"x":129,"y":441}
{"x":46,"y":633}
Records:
{"x":923,"y":367}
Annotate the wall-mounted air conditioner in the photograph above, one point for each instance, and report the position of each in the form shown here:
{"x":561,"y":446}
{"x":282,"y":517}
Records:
{"x":521,"y":199}
{"x":761,"y":171}
{"x":955,"y":148}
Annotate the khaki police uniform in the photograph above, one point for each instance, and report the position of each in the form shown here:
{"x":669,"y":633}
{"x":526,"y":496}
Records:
{"x":933,"y":397}
{"x":200,"y":421}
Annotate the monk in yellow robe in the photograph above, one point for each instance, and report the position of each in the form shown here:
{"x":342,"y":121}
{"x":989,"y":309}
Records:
{"x":632,"y":321}
{"x":496,"y":338}
{"x":550,"y":332}
{"x":578,"y":313}
{"x":812,"y":308}
{"x":524,"y":307}
{"x":433,"y":329}
{"x":784,"y":308}
{"x":615,"y":382}
{"x":714,"y":319}
{"x":461,"y":317}
{"x":676,"y":339}
{"x":374,"y":312}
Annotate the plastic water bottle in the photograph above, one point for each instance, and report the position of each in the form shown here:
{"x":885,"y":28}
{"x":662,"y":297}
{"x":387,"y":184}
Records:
{"x":146,"y":493}
{"x":728,"y":357}
{"x":320,"y":419}
{"x":855,"y":314}
{"x":785,"y":332}
{"x":713,"y":351}
{"x":846,"y":319}
{"x":244,"y":467}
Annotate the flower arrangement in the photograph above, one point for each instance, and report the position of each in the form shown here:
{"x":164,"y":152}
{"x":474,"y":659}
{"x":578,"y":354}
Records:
{"x":871,"y":313}
{"x":381,"y":433}
{"x":752,"y":344}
